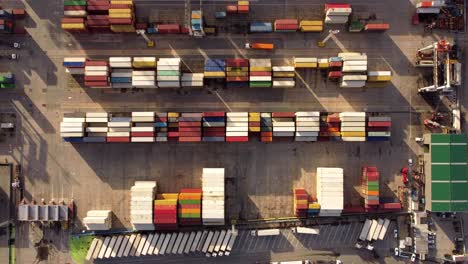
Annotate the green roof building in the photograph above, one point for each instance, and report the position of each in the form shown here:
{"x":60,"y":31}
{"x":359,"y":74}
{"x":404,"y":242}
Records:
{"x":446,"y":173}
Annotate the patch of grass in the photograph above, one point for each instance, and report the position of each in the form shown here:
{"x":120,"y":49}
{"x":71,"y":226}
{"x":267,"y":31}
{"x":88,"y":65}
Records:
{"x":79,"y":246}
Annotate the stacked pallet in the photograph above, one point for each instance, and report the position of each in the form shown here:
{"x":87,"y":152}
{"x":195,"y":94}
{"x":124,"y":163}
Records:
{"x":96,"y":127}
{"x":301,"y":202}
{"x":254,"y":122}
{"x":190,"y":125}
{"x":307,"y":126}
{"x":330,"y":128}
{"x":121,"y":16}
{"x":143,"y":127}
{"x":192,"y":79}
{"x":98,"y":220}
{"x":311,"y":26}
{"x":214,"y":126}
{"x":283,"y":77}
{"x":353,"y":126}
{"x":169,"y":72}
{"x":354,"y":70}
{"x":141,"y":205}
{"x":337,"y":13}
{"x":370,"y":187}
{"x":237,"y":70}
{"x":237,"y":127}
{"x":190,"y":207}
{"x":74,"y":65}
{"x":97,"y":74}
{"x":165,"y":211}
{"x":7,"y":80}
{"x":121,"y":74}
{"x":173,"y":127}
{"x":213,"y":196}
{"x":286,"y":25}
{"x":378,"y":128}
{"x":72,"y":126}
{"x":330,"y":191}
{"x":215,"y":68}
{"x":243,"y":7}
{"x":283,"y":126}
{"x":305,"y":63}
{"x":335,"y":65}
{"x":260,"y":73}
{"x":162,"y":126}
{"x":266,"y":127}
{"x":119,"y":129}
{"x":143,"y":79}
{"x":379,"y":76}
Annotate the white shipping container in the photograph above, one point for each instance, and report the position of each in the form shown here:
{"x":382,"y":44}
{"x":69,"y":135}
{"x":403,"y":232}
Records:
{"x":121,"y":74}
{"x":120,"y":64}
{"x":96,"y":68}
{"x":142,"y":119}
{"x":119,"y":129}
{"x":379,"y":73}
{"x":354,"y":78}
{"x":143,"y":78}
{"x":75,"y":13}
{"x":306,"y":60}
{"x":168,"y":84}
{"x":192,"y":77}
{"x":96,"y":119}
{"x":308,"y":123}
{"x":74,"y":59}
{"x":283,"y":68}
{"x":260,"y":78}
{"x":347,"y":56}
{"x":352,"y":84}
{"x":355,"y":139}
{"x":353,"y":129}
{"x":355,"y":63}
{"x":307,"y":129}
{"x":336,"y":19}
{"x":144,"y":59}
{"x":143,"y":73}
{"x":353,"y":124}
{"x":308,"y":114}
{"x":118,"y":134}
{"x":142,"y":139}
{"x":237,"y":114}
{"x":97,"y":114}
{"x":265,"y":232}
{"x":168,"y":78}
{"x":285,"y":83}
{"x":118,"y":124}
{"x":237,"y":129}
{"x":237,"y":119}
{"x":96,"y":73}
{"x":306,"y":134}
{"x":71,"y":124}
{"x":168,"y":67}
{"x":338,"y":11}
{"x":283,"y":124}
{"x":120,"y":59}
{"x":71,"y":134}
{"x":307,"y":119}
{"x":75,"y":71}
{"x":143,"y":83}
{"x":71,"y":129}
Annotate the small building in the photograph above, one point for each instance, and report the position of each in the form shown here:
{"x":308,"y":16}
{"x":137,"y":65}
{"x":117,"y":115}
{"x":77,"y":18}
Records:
{"x":445,"y":166}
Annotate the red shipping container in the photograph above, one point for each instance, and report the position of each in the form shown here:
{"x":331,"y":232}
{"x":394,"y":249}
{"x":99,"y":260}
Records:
{"x":97,"y":17}
{"x":328,"y":6}
{"x":237,"y":79}
{"x":161,"y":119}
{"x":168,"y":28}
{"x":102,"y":8}
{"x":165,"y":212}
{"x":18,"y":13}
{"x":237,"y":139}
{"x":74,"y":8}
{"x":231,"y":9}
{"x":118,"y":139}
{"x":213,"y":114}
{"x":283,"y":114}
{"x":120,"y":6}
{"x":189,"y":124}
{"x":96,"y":84}
{"x":66,"y":20}
{"x":335,"y":64}
{"x":214,"y":134}
{"x":266,"y":134}
{"x":377,"y":27}
{"x":97,"y":23}
{"x":390,"y":206}
{"x":189,"y":134}
{"x":254,"y":124}
{"x":2,"y":22}
{"x":335,"y":74}
{"x":237,"y":63}
{"x":173,"y":134}
{"x":96,"y":78}
{"x":242,"y":9}
{"x":300,"y":191}
{"x":260,"y":73}
{"x":190,"y":129}
{"x":189,"y":139}
{"x":96,"y":63}
{"x":142,"y":134}
{"x":286,"y":22}
{"x":164,"y":207}
{"x":286,"y":27}
{"x":121,"y":21}
{"x":266,"y":139}
{"x":185,"y":30}
{"x":379,"y":124}
{"x":191,"y":190}
{"x":97,"y":2}
{"x":141,"y":26}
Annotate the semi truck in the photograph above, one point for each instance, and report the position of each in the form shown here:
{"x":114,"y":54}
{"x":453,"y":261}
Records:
{"x":263,"y":46}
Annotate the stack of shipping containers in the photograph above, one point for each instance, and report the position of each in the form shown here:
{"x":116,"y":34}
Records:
{"x":7,"y":80}
{"x":169,"y":72}
{"x":190,"y":207}
{"x":237,"y":127}
{"x":313,"y":208}
{"x":197,"y":23}
{"x":283,"y":77}
{"x":286,"y":25}
{"x":237,"y":73}
{"x":141,"y":205}
{"x":74,"y":12}
{"x":311,"y":26}
{"x":305,"y":63}
{"x":354,"y":70}
{"x":213,"y":196}
{"x":254,"y":123}
{"x":98,"y":220}
{"x":74,"y":66}
{"x":307,"y":126}
{"x":323,"y":63}
{"x":162,"y":126}
{"x":172,"y":127}
{"x":143,"y":127}
{"x":261,"y":27}
{"x":143,"y":74}
{"x":121,"y":72}
{"x":98,"y":16}
{"x":165,"y":211}
{"x":121,"y":16}
{"x":330,"y":191}
{"x":353,"y":126}
{"x":330,"y":128}
{"x":119,"y":128}
{"x":96,"y":127}
{"x":214,"y":126}
{"x":266,"y":127}
{"x":7,"y":22}
{"x":192,"y":79}
{"x":378,"y":128}
{"x":260,"y":73}
{"x":72,"y":127}
{"x":337,"y":13}
{"x":335,"y":65}
{"x":370,"y":187}
{"x":190,"y":125}
{"x":301,"y":202}
{"x":379,"y":76}
{"x":215,"y":68}
{"x":243,"y":7}
{"x":97,"y":74}
{"x":283,"y":126}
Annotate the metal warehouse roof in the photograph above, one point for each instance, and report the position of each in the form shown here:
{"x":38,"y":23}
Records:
{"x":448,"y":175}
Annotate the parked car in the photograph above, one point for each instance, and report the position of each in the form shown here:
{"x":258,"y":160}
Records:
{"x":397,"y":251}
{"x":413,"y":258}
{"x":395,"y":233}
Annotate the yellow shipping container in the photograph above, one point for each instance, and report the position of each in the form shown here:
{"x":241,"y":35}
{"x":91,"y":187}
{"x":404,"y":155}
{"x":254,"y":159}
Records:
{"x":353,"y":134}
{"x":305,"y":65}
{"x":254,"y":129}
{"x":323,"y":65}
{"x":283,"y":74}
{"x":254,"y":119}
{"x":122,"y":28}
{"x":165,"y":202}
{"x":237,"y":69}
{"x":311,"y":28}
{"x":314,"y":206}
{"x":120,"y":11}
{"x":379,"y":78}
{"x":243,"y":3}
{"x":121,"y":2}
{"x":168,"y":196}
{"x":73,"y":26}
{"x":172,"y":114}
{"x":196,"y":16}
{"x":258,"y":68}
{"x":190,"y":210}
{"x":311,"y":23}
{"x":254,"y":114}
{"x":214,"y":74}
{"x":120,"y":15}
{"x":144,"y":64}
{"x":302,"y":201}
{"x":237,"y":74}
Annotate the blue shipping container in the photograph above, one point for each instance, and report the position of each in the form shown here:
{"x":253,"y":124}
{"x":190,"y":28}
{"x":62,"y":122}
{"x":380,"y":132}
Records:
{"x":261,"y":27}
{"x":121,"y":79}
{"x":74,"y":64}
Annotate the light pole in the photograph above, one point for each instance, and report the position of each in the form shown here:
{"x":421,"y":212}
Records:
{"x":321,"y":44}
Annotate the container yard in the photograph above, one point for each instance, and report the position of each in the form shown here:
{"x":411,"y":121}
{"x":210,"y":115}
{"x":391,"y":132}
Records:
{"x":234,"y":131}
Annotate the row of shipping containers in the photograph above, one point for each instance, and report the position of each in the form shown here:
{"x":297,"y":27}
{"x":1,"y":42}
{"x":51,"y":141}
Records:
{"x":9,"y":21}
{"x":304,"y":204}
{"x":223,"y":127}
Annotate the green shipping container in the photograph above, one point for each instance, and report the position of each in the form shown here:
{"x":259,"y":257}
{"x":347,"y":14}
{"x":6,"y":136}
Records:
{"x":189,"y":201}
{"x":260,"y":84}
{"x":7,"y":85}
{"x":168,"y":73}
{"x":75,"y":3}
